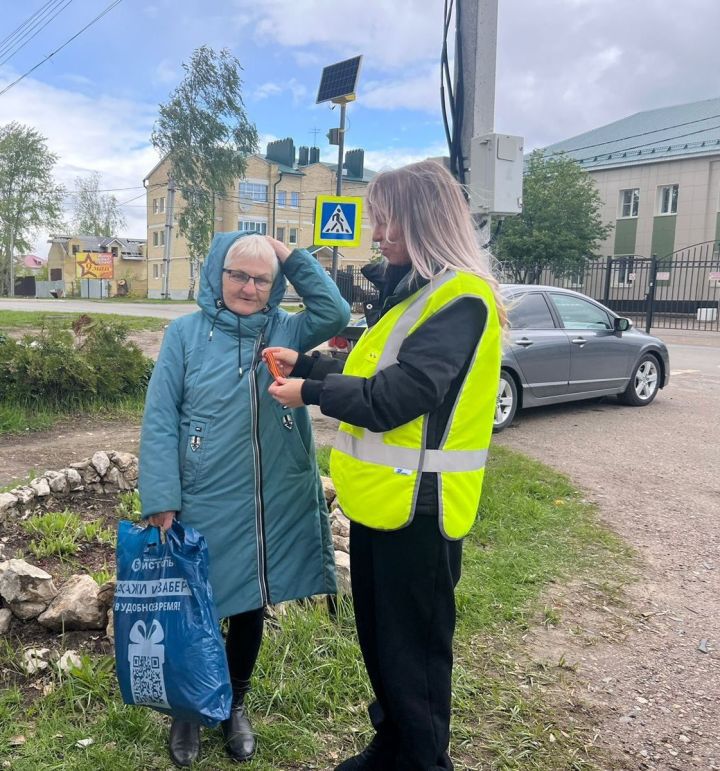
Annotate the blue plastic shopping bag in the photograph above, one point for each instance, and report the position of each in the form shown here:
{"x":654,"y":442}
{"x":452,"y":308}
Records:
{"x":169,"y":652}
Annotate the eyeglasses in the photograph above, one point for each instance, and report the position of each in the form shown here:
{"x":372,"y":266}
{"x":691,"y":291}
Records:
{"x":242,"y":278}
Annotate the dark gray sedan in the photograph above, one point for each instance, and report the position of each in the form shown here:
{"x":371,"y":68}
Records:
{"x":563,"y":346}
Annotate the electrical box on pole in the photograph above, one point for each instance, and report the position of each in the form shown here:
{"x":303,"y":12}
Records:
{"x":496,"y":175}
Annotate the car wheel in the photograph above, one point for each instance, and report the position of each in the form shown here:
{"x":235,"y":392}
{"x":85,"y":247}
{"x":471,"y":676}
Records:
{"x":507,"y":400}
{"x":644,"y":383}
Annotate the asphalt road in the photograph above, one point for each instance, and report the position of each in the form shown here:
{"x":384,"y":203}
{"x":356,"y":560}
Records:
{"x":159,"y":310}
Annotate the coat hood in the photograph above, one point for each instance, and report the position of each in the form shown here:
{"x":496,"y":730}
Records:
{"x":210,"y":295}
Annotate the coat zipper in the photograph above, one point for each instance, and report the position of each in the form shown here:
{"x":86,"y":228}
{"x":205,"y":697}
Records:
{"x":257,"y":462}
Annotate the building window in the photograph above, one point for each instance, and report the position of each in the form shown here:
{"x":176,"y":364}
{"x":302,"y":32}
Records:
{"x":281,"y":198}
{"x":293,"y":236}
{"x":251,"y":226}
{"x":281,"y":234}
{"x":75,"y":249}
{"x":158,"y":238}
{"x":254,"y":191}
{"x":114,"y":252}
{"x":668,"y":199}
{"x":158,"y":205}
{"x":295,"y":200}
{"x":629,"y":202}
{"x":55,"y":274}
{"x":156,"y":270}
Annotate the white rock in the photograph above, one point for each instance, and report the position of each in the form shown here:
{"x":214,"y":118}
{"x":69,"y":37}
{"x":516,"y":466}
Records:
{"x":111,"y":480}
{"x":110,"y":628}
{"x":73,"y":478}
{"x":5,"y":619}
{"x":341,"y":544}
{"x":328,"y":489}
{"x":57,"y":481}
{"x":68,"y":661}
{"x":342,"y":568}
{"x":22,"y":582}
{"x":76,"y":606}
{"x":339,"y":524}
{"x":34,"y":660}
{"x":123,"y":460}
{"x":101,"y":462}
{"x":27,"y":610}
{"x":40,"y":486}
{"x":7,"y":501}
{"x":24,"y":494}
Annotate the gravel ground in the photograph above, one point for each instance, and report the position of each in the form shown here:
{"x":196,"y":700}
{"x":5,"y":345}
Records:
{"x":650,"y":672}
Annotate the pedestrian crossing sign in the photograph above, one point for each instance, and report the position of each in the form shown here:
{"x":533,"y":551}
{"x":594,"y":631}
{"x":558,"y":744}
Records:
{"x":338,"y":220}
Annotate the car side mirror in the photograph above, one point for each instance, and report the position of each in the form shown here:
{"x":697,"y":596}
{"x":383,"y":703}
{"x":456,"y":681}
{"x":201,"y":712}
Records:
{"x":621,"y":324}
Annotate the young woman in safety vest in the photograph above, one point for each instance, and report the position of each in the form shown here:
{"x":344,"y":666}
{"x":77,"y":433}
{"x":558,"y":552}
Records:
{"x":416,"y":400}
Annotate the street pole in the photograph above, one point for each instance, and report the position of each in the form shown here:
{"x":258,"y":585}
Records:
{"x":338,"y":186}
{"x":476,"y":21}
{"x":11,"y":290}
{"x":170,"y":204}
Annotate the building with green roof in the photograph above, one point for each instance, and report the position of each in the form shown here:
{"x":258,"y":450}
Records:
{"x":658,"y":174}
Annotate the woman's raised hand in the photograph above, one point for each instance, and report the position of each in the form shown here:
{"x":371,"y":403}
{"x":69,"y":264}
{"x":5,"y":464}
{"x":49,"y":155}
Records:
{"x":285,"y":358}
{"x":281,"y":250}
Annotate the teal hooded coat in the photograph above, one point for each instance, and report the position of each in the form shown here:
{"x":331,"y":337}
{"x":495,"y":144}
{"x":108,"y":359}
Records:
{"x":217,"y":448}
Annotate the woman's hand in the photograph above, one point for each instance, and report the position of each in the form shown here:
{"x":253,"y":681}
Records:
{"x":287,"y":392}
{"x":163,"y":520}
{"x":285,"y":358}
{"x":281,"y":250}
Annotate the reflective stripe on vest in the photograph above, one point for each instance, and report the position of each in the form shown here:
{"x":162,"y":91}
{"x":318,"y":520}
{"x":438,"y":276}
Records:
{"x":369,"y":450}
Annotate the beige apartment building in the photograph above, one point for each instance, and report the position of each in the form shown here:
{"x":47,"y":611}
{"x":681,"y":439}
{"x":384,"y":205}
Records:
{"x":276,"y":196}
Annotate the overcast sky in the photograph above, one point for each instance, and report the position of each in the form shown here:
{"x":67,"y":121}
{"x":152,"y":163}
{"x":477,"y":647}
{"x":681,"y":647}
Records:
{"x":563,"y":67}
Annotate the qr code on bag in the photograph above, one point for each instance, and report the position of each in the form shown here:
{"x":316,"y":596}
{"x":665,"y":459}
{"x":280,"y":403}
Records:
{"x":148,"y":686}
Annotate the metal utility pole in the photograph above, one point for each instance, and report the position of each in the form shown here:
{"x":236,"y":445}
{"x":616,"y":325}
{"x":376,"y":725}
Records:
{"x":338,"y":185}
{"x":11,"y":255}
{"x":477,"y":26}
{"x":169,"y":207}
{"x":475,"y":58}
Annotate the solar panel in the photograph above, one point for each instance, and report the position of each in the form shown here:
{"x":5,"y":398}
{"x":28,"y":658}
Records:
{"x":339,"y":80}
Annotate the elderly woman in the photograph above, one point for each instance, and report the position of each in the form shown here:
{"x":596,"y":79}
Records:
{"x":217,"y":451}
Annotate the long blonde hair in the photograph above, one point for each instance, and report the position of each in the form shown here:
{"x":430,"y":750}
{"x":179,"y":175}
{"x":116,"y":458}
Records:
{"x":425,"y":203}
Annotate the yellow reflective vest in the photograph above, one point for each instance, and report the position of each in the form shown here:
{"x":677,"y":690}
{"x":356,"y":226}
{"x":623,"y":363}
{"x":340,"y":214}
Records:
{"x":377,"y":475}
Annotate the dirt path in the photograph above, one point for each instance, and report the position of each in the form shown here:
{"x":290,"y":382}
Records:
{"x":651,"y":672}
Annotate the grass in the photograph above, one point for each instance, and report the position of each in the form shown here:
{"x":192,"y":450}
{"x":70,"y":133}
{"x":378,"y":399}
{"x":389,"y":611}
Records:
{"x":60,"y":533}
{"x":310,"y":688}
{"x":21,"y":418}
{"x":31,"y":320}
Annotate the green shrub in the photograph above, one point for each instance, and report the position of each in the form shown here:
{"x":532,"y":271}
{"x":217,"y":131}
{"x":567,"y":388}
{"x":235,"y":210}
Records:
{"x":55,"y":368}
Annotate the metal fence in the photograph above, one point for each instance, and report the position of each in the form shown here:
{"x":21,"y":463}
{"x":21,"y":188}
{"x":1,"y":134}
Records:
{"x":679,"y":291}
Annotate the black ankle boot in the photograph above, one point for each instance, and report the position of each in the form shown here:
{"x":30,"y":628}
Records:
{"x":184,"y":743}
{"x":239,"y":738}
{"x":379,"y":755}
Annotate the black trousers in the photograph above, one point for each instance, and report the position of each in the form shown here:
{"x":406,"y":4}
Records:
{"x":242,"y":646}
{"x":403,"y":586}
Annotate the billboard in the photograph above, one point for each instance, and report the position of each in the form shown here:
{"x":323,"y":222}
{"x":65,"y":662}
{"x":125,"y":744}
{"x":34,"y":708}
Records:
{"x":94,"y":265}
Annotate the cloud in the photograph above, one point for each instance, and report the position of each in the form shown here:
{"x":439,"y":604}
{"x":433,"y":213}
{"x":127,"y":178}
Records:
{"x":390,"y":35}
{"x":88,"y":134}
{"x":391,"y":158}
{"x":297,"y":91}
{"x":265,"y":90}
{"x":420,"y":91}
{"x":165,"y":72}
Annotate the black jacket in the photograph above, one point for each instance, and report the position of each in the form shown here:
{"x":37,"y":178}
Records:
{"x":432,"y":363}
